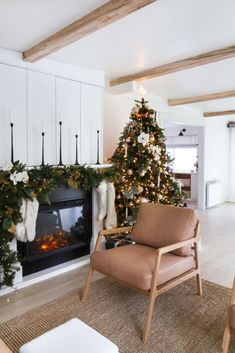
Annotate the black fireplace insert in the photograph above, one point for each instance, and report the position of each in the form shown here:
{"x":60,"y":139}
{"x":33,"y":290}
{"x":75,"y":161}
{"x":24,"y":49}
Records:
{"x":63,"y":231}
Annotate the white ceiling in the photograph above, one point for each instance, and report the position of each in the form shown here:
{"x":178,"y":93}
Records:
{"x":163,"y":32}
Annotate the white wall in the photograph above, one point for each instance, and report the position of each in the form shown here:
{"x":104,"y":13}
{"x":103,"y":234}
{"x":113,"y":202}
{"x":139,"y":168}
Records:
{"x":217,"y":153}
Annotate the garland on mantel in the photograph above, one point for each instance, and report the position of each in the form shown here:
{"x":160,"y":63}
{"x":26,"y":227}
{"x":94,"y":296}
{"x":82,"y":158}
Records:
{"x":18,"y":182}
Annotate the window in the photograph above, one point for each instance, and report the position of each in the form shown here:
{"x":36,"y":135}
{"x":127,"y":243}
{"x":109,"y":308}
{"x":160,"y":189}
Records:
{"x":184,"y":158}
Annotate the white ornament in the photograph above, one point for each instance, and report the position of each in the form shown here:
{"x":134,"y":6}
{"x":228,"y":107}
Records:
{"x":143,"y":138}
{"x":157,"y":157}
{"x":24,"y":177}
{"x":143,"y":199}
{"x":134,"y":110}
{"x":142,"y":173}
{"x":7,"y":167}
{"x":156,"y":151}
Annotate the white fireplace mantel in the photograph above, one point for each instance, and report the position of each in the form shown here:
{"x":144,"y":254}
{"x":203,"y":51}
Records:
{"x":21,"y":282}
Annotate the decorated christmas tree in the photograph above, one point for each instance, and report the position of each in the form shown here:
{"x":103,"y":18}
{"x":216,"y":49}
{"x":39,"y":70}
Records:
{"x":143,"y":166}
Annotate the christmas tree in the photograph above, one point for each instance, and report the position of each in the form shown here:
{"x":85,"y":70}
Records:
{"x":143,"y":166}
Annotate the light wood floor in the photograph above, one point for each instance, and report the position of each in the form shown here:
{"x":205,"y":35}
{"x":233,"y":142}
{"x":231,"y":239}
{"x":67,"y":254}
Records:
{"x":217,"y":259}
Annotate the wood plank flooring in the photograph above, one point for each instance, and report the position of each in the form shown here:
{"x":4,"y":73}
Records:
{"x":217,"y":261}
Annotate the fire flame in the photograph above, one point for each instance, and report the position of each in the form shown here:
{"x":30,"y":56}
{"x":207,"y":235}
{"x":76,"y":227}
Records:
{"x":53,"y":241}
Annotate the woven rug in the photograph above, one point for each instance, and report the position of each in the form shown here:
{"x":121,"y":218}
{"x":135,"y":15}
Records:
{"x":183,"y":322}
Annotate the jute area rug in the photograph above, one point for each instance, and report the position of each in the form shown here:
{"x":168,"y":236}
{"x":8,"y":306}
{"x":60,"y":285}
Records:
{"x":183,"y":322}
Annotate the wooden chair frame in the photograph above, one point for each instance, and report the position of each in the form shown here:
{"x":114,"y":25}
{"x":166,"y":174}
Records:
{"x":155,"y":290}
{"x":227,"y":331}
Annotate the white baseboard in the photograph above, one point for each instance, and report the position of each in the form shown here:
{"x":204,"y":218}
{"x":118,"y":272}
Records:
{"x":46,"y":274}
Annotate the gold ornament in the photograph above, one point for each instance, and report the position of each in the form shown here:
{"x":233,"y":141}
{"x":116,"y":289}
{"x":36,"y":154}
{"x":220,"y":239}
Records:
{"x":140,"y":189}
{"x":130,"y":172}
{"x":152,"y":185}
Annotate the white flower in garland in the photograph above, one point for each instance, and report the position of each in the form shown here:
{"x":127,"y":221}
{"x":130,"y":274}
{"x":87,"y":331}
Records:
{"x":25,"y":177}
{"x":143,"y":138}
{"x":19,"y":177}
{"x":7,"y":167}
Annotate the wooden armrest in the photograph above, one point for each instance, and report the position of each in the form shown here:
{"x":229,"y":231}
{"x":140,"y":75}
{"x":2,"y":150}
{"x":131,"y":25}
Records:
{"x":4,"y":348}
{"x":109,"y":232}
{"x":169,"y":248}
{"x":112,"y":231}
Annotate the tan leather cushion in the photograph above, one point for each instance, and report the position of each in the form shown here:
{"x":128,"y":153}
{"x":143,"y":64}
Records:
{"x":232,"y":317}
{"x":161,"y":225}
{"x":134,"y":265}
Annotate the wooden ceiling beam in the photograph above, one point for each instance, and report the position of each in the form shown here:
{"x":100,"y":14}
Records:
{"x":202,"y":59}
{"x":225,"y":112}
{"x":203,"y":98}
{"x":95,"y":20}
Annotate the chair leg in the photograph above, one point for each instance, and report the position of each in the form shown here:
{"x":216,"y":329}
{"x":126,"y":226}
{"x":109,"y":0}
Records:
{"x":226,"y":339}
{"x":87,"y":285}
{"x":149,"y":315}
{"x":199,"y":283}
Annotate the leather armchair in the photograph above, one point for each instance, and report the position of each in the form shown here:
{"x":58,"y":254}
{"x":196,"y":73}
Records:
{"x":165,"y":254}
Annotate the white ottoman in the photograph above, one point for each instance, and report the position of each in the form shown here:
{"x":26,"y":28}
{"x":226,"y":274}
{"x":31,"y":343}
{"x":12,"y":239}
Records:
{"x":72,"y":337}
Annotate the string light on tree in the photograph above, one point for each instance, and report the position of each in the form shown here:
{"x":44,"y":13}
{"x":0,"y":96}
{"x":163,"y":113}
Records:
{"x":143,"y":172}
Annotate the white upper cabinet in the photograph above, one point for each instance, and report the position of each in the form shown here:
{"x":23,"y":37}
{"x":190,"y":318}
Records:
{"x":12,"y":109}
{"x":35,"y":102}
{"x":68,"y":109}
{"x":41,"y":118}
{"x":91,"y":121}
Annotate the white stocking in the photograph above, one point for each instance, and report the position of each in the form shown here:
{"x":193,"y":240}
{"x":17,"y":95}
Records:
{"x":111,"y":220}
{"x":102,"y":200}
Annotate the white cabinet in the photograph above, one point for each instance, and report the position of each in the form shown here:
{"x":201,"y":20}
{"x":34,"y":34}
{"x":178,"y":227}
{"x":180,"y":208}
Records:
{"x":12,"y":109}
{"x":68,"y":109}
{"x":91,"y":121}
{"x":36,"y":102}
{"x":41,"y":118}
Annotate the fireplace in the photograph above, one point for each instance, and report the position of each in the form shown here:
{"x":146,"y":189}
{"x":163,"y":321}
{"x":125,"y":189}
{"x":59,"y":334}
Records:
{"x":63,"y":231}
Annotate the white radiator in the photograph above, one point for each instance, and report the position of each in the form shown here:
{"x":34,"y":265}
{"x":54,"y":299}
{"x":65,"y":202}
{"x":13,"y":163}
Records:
{"x":213,"y":192}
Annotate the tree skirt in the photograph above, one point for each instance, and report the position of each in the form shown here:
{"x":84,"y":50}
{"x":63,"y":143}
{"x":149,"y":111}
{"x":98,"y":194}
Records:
{"x":183,"y":322}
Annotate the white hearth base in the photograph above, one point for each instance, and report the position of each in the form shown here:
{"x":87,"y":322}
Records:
{"x":45,"y":274}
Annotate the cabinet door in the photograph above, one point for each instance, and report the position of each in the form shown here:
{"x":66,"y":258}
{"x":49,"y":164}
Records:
{"x":41,"y":118}
{"x":91,"y":121}
{"x":12,"y":109}
{"x":68,"y":112}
